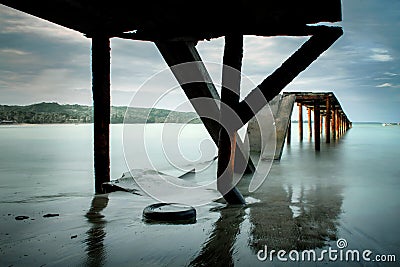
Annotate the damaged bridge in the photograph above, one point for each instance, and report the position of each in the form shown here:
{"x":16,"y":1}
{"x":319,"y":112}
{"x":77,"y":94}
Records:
{"x":175,"y":27}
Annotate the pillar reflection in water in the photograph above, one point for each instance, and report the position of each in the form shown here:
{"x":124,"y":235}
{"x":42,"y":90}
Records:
{"x":95,"y":250}
{"x":219,"y":247}
{"x":296,"y":217}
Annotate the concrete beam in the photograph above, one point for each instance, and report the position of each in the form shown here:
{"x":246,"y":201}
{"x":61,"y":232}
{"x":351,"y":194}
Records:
{"x":264,"y":123}
{"x":281,"y":108}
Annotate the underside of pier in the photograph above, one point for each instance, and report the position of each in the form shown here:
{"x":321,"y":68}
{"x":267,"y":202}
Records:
{"x":176,"y":27}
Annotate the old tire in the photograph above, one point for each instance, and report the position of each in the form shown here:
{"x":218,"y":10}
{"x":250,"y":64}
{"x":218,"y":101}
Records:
{"x":169,"y":213}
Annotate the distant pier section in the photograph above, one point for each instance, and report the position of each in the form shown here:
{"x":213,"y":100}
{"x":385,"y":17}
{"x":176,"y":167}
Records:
{"x":325,"y":117}
{"x":328,"y":115}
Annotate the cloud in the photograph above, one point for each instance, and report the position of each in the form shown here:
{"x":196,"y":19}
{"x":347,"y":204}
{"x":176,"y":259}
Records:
{"x":384,"y":85}
{"x":387,"y":76}
{"x":388,"y":85}
{"x":15,"y":22}
{"x":379,"y":50}
{"x":380,"y":55}
{"x":14,"y":51}
{"x":390,"y":74}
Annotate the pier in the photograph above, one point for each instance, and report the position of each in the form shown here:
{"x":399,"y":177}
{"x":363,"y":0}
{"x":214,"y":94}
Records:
{"x":325,"y":117}
{"x":175,"y":27}
{"x":329,"y":117}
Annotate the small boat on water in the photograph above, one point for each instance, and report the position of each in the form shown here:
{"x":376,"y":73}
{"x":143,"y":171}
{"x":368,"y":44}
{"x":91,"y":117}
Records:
{"x":387,"y":124}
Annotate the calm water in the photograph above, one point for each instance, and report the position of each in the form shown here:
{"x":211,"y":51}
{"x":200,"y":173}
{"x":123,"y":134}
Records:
{"x":350,"y":190}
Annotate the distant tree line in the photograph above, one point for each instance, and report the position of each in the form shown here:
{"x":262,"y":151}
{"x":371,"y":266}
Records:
{"x":42,"y":113}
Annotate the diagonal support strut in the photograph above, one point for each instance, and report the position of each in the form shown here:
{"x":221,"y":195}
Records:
{"x":180,"y":52}
{"x":323,"y":37}
{"x":183,"y":52}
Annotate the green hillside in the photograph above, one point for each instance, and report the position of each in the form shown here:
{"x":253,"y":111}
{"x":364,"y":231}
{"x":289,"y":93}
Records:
{"x":55,"y":113}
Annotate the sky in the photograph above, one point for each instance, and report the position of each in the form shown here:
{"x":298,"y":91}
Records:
{"x":43,"y":62}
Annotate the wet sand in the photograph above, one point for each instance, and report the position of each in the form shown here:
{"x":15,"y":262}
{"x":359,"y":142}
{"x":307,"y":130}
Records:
{"x":308,"y":201}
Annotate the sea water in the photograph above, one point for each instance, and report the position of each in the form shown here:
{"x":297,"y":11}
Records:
{"x":348,"y":190}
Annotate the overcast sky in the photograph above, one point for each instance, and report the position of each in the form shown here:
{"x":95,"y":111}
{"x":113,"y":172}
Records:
{"x":40,"y":61}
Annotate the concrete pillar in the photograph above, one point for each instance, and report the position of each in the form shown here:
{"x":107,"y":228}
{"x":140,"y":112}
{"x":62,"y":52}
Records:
{"x":279,"y":112}
{"x":282,"y":122}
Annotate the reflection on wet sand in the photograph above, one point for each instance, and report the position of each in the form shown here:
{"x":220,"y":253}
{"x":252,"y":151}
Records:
{"x":219,"y":247}
{"x":298,"y":218}
{"x":286,"y":217}
{"x":95,"y":250}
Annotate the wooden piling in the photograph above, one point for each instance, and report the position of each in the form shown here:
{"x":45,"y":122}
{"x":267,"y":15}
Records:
{"x":101,"y":109}
{"x":309,"y":122}
{"x":338,"y":124}
{"x":317,"y":126}
{"x":328,"y":120}
{"x":321,"y":124}
{"x":289,"y":133}
{"x":343,"y":120}
{"x":341,"y":125}
{"x":334,"y":124}
{"x":230,"y":94}
{"x":300,"y":122}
